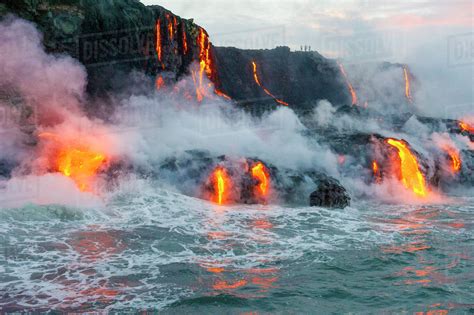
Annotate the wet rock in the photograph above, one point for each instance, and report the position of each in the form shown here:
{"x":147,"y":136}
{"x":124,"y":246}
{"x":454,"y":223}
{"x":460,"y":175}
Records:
{"x":330,"y":194}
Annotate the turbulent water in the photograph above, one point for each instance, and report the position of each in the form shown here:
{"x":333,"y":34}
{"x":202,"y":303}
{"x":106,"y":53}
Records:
{"x":158,"y":250}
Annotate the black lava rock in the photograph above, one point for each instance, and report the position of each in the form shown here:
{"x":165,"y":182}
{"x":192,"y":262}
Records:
{"x":330,"y":194}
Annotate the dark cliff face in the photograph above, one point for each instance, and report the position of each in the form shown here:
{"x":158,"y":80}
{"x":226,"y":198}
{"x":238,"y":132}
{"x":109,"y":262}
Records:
{"x":115,"y":38}
{"x":297,"y":78}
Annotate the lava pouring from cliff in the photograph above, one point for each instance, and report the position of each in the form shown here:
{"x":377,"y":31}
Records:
{"x":406,"y":75}
{"x":260,"y":173}
{"x":409,"y":170}
{"x":257,"y":80}
{"x":349,"y":84}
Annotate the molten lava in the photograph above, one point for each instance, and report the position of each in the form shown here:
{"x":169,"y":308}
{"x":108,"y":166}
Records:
{"x":260,"y":172}
{"x":222,"y":94}
{"x":349,"y":85}
{"x":255,"y":76}
{"x":170,"y":27}
{"x":205,"y":65}
{"x":407,"y":84}
{"x":376,"y":170}
{"x":455,"y":158}
{"x":185,"y":42}
{"x":158,"y":40}
{"x":221,"y":185}
{"x":160,"y":83}
{"x":76,"y":161}
{"x":410,"y":173}
{"x":466,"y":127}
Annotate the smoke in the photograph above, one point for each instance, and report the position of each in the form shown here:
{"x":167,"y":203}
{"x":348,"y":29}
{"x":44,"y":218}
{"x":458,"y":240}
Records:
{"x":145,"y":131}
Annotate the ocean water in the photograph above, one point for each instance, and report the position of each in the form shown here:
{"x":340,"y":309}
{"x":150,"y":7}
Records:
{"x":159,"y":251}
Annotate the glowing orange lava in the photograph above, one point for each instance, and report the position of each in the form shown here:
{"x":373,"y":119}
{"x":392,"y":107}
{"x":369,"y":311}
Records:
{"x":76,"y":161}
{"x":260,"y":173}
{"x":376,"y":170}
{"x":170,"y":27}
{"x":222,"y":94}
{"x":185,"y":41}
{"x":455,"y":158}
{"x":158,"y":40}
{"x":349,"y":85}
{"x":410,"y":173}
{"x":466,"y":127}
{"x":255,"y":76}
{"x":407,"y":84}
{"x":160,"y":83}
{"x":221,"y":185}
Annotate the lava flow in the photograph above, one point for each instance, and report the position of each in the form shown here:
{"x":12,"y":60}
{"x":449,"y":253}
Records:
{"x":348,"y":83}
{"x":466,"y":127}
{"x":221,"y":185}
{"x":160,"y":83}
{"x":260,"y":172}
{"x":255,"y":76}
{"x":76,"y":161}
{"x":455,"y":158}
{"x":407,"y":84}
{"x":376,"y":170}
{"x":410,"y":173}
{"x":159,"y":48}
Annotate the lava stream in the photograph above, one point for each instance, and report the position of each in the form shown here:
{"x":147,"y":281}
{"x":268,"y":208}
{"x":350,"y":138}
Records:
{"x":407,"y":84}
{"x":160,"y":83}
{"x":466,"y":127}
{"x":455,"y":158}
{"x":222,"y":185}
{"x":255,"y":76}
{"x":348,"y":83}
{"x":260,"y":173}
{"x":410,"y":173}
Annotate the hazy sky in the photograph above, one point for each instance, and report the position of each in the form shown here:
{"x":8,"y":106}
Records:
{"x":434,"y":36}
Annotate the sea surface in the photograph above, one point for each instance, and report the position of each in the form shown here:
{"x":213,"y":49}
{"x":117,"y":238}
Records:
{"x":159,"y":251}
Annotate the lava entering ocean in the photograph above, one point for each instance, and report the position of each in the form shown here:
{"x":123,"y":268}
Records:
{"x":222,"y":185}
{"x":260,"y":172}
{"x":348,"y":83}
{"x":73,"y":159}
{"x":257,"y":80}
{"x":410,"y":173}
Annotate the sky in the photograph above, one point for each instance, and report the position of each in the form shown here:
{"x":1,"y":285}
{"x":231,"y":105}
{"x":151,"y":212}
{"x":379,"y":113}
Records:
{"x":435,"y":37}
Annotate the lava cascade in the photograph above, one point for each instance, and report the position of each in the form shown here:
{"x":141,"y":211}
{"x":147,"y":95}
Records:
{"x":348,"y":83}
{"x":455,"y":158}
{"x":257,"y":80}
{"x":410,"y":173}
{"x":222,"y":186}
{"x":260,"y":172}
{"x":406,"y":75}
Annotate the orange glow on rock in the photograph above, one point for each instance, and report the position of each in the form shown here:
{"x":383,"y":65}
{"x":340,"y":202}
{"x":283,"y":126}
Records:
{"x":160,"y":83}
{"x":348,"y":83}
{"x":260,"y":172}
{"x":410,"y":173}
{"x":222,"y":185}
{"x":185,"y":42}
{"x":376,"y":170}
{"x":466,"y":127}
{"x":158,"y":40}
{"x":257,"y":80}
{"x":407,"y":84}
{"x":455,"y":158}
